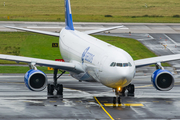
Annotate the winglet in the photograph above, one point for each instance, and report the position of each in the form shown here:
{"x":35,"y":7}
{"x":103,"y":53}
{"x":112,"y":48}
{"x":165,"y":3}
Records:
{"x":68,"y":16}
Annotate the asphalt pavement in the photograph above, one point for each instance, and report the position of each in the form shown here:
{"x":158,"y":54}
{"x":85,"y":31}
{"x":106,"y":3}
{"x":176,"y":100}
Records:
{"x":82,"y":26}
{"x":84,"y":100}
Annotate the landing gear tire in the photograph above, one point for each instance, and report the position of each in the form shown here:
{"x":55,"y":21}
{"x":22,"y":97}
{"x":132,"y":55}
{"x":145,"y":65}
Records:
{"x":131,"y":88}
{"x":50,"y":88}
{"x":117,"y":100}
{"x":59,"y":89}
{"x":114,"y":100}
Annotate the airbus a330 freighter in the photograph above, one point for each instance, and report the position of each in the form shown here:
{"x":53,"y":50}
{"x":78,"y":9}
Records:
{"x":90,"y":59}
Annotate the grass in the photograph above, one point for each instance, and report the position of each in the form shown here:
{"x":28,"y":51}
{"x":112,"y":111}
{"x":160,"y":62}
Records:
{"x":92,"y":10}
{"x":133,"y":47}
{"x":40,"y":46}
{"x":29,"y":45}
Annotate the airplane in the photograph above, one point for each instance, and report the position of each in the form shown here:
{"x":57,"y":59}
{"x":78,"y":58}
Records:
{"x":90,"y":59}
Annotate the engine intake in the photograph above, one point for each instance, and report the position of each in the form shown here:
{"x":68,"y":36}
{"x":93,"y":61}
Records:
{"x":35,"y":80}
{"x":162,"y":80}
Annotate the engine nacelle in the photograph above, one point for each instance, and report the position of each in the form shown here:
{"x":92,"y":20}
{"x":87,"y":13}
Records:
{"x":35,"y":80}
{"x":162,"y":80}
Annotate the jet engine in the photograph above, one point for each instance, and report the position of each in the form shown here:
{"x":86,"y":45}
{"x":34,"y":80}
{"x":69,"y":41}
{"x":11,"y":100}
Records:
{"x":35,"y":80}
{"x":162,"y":80}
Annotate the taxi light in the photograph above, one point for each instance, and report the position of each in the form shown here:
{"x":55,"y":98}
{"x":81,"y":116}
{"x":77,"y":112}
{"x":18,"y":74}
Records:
{"x":119,"y":88}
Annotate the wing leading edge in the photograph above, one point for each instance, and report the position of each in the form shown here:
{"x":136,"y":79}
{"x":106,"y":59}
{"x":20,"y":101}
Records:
{"x":154,"y":60}
{"x":35,"y":31}
{"x":71,"y":67}
{"x":103,"y":29}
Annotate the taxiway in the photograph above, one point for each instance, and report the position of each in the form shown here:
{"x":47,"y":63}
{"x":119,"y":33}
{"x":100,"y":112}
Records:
{"x":84,"y":100}
{"x":82,"y":26}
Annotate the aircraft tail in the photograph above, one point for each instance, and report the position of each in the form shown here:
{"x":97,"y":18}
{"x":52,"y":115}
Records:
{"x":68,"y":16}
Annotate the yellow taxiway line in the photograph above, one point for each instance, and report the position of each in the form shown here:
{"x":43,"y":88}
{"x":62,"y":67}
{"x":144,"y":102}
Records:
{"x":103,"y":108}
{"x":127,"y":104}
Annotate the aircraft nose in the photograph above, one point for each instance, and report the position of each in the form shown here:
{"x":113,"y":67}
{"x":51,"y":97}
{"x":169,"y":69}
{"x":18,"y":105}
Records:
{"x":126,"y":74}
{"x":124,"y":77}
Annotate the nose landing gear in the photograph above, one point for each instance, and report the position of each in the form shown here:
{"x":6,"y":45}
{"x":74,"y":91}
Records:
{"x":121,"y":92}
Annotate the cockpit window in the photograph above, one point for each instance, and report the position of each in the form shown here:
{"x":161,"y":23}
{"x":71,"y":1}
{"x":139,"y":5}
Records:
{"x":125,"y":64}
{"x":119,"y":64}
{"x":129,"y":64}
{"x":113,"y":64}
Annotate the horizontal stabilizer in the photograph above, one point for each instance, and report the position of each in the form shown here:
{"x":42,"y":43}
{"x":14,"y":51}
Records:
{"x":35,"y":31}
{"x":103,"y":29}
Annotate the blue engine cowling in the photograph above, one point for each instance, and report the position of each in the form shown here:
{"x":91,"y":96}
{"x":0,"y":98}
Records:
{"x":35,"y":80}
{"x":162,"y":80}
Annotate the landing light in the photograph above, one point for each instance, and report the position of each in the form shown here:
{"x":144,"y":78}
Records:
{"x":119,"y":88}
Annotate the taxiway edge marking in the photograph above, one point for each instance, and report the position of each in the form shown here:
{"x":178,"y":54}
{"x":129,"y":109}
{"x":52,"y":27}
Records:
{"x":103,"y":108}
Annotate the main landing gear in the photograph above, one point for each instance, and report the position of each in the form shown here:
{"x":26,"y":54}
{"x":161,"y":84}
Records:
{"x":55,"y":87}
{"x":121,"y":92}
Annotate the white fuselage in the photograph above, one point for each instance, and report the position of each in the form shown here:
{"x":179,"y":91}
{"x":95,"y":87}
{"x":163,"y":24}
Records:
{"x":99,"y":60}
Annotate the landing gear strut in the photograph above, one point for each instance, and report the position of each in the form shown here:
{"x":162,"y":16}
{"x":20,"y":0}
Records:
{"x":58,"y":87}
{"x":121,"y":92}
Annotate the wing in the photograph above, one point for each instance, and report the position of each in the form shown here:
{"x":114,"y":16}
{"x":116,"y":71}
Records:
{"x":154,"y":60}
{"x":71,"y":67}
{"x":104,"y":29}
{"x":35,"y":31}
